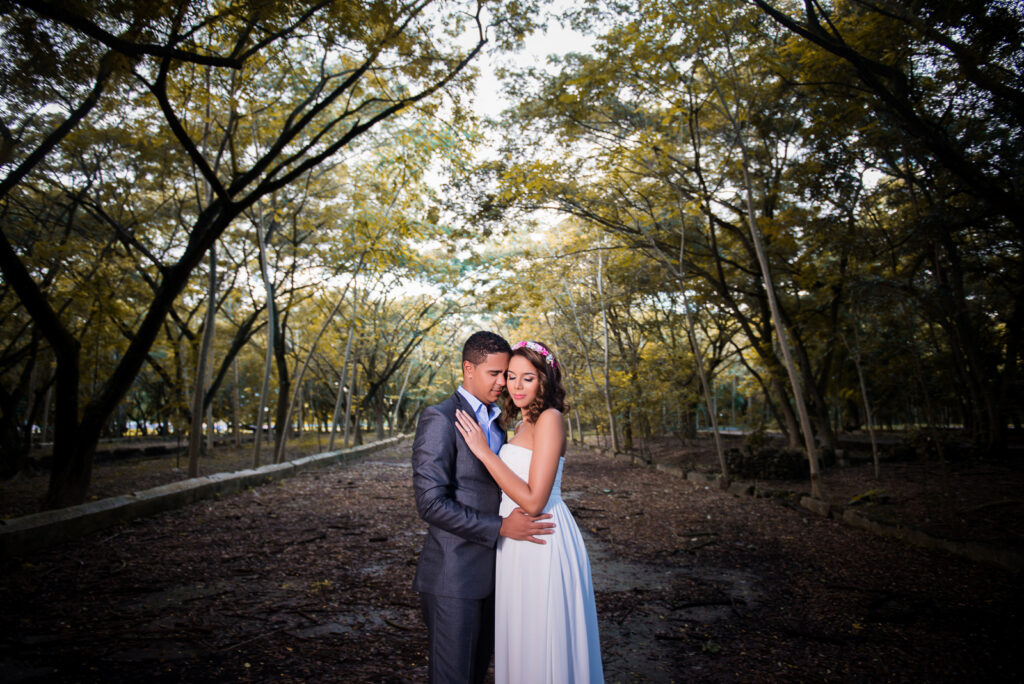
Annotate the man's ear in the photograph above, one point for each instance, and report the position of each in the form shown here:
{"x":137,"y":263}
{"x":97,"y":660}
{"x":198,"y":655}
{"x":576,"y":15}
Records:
{"x":467,"y":369}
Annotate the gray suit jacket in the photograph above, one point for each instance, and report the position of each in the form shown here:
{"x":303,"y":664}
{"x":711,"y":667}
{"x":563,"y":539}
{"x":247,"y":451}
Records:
{"x":459,"y":499}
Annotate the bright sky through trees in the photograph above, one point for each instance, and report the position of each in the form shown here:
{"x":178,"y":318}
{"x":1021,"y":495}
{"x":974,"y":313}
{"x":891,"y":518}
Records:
{"x":556,"y":40}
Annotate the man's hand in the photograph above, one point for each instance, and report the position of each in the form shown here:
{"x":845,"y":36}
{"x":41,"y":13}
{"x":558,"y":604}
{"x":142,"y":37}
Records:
{"x":524,"y":527}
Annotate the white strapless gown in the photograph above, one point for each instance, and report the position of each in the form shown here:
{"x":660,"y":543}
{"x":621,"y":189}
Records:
{"x":545,"y":617}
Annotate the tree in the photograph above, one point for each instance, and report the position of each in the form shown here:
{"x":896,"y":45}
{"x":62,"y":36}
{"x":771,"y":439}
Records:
{"x":332,"y":101}
{"x":941,"y":80}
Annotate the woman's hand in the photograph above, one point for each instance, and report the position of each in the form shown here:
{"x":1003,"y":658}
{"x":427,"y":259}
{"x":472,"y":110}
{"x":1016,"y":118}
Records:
{"x":472,"y":433}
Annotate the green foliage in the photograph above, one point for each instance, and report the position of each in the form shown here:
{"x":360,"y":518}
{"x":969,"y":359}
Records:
{"x":138,"y":135}
{"x":878,"y":173}
{"x":882,"y":147}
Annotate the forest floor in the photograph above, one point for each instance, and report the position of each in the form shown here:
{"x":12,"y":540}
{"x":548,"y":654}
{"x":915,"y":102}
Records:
{"x":309,"y":579}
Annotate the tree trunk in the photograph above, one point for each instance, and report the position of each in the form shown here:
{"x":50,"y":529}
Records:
{"x":72,"y":458}
{"x":575,"y":436}
{"x":817,"y":400}
{"x":869,"y":419}
{"x":691,"y":336}
{"x":44,"y":427}
{"x":341,"y":391}
{"x":278,"y":454}
{"x":762,"y":258}
{"x":235,"y":403}
{"x":268,"y":286}
{"x":195,"y":437}
{"x":584,"y":345}
{"x":378,"y":413}
{"x":794,"y":379}
{"x":964,"y":336}
{"x":398,"y":401}
{"x":349,"y":418}
{"x":607,"y":387}
{"x":284,"y":388}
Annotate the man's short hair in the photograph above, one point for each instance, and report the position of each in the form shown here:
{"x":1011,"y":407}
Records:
{"x":482,"y":343}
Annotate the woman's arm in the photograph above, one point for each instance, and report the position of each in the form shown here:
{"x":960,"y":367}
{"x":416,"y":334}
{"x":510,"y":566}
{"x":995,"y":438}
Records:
{"x":548,"y":444}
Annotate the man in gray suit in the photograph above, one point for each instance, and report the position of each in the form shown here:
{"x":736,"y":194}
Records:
{"x":458,"y":498}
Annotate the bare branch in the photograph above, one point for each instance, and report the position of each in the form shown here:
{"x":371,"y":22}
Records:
{"x":117,"y":44}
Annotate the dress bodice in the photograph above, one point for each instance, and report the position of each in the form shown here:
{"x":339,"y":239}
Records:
{"x":518,"y":459}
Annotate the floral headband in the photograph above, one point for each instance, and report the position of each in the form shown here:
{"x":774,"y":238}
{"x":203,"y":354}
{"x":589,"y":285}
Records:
{"x":540,"y":349}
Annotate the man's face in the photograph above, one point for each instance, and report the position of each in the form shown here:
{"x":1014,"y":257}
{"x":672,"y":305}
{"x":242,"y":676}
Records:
{"x":485,"y":380}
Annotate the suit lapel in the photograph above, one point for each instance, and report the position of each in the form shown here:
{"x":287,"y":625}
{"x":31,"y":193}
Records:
{"x":460,"y":444}
{"x":461,"y":403}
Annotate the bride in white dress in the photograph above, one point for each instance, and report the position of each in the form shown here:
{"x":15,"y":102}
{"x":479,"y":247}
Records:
{"x":545,"y":616}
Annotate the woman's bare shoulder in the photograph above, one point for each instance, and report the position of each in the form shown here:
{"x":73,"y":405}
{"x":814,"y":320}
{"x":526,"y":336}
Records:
{"x":550,"y":413}
{"x":550,"y":420}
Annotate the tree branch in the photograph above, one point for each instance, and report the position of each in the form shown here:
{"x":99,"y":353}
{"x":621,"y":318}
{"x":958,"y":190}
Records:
{"x":126,"y":47}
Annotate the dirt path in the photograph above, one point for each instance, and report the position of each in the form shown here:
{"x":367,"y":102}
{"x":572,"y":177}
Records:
{"x":310,"y":580}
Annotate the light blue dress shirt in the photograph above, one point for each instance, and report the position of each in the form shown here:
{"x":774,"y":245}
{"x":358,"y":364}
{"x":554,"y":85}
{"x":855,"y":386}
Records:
{"x":487,"y":418}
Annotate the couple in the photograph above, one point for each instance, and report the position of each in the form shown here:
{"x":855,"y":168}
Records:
{"x":502,"y":569}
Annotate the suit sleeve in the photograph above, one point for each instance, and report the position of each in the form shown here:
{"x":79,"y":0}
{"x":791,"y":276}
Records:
{"x":433,"y":477}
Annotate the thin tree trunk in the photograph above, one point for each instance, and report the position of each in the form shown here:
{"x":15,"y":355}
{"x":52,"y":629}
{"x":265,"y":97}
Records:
{"x":762,"y":258}
{"x":398,"y":402}
{"x":318,"y":421}
{"x":867,"y":413}
{"x":357,"y":423}
{"x":282,"y":423}
{"x":30,"y":411}
{"x":827,"y":436}
{"x":348,"y":403}
{"x":794,"y":379}
{"x":261,"y":409}
{"x":378,"y":413}
{"x":278,"y":453}
{"x":607,"y":386}
{"x":868,"y":417}
{"x":235,"y":402}
{"x":576,"y":436}
{"x":691,"y":335}
{"x":44,"y":428}
{"x":341,"y":388}
{"x":579,"y":334}
{"x":195,"y":436}
{"x":705,"y":388}
{"x":300,"y":399}
{"x":211,"y":429}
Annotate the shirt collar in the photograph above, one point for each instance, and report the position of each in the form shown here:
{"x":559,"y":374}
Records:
{"x":492,"y":409}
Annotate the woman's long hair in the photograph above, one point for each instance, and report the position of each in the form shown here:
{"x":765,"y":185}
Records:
{"x":550,"y":394}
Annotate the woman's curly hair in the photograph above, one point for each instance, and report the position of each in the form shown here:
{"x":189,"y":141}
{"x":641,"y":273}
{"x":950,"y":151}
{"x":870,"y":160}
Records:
{"x":550,"y":393}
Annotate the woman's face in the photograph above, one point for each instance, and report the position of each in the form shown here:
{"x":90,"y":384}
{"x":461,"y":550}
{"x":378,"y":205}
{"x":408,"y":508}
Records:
{"x":522,"y":381}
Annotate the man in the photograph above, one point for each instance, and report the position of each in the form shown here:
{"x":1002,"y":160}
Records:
{"x":458,"y":498}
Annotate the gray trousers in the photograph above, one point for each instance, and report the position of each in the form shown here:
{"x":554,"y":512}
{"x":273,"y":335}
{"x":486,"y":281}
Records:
{"x":461,"y":635}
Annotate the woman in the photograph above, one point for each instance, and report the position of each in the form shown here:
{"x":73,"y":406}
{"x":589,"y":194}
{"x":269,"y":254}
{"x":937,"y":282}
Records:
{"x":545,"y":617}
